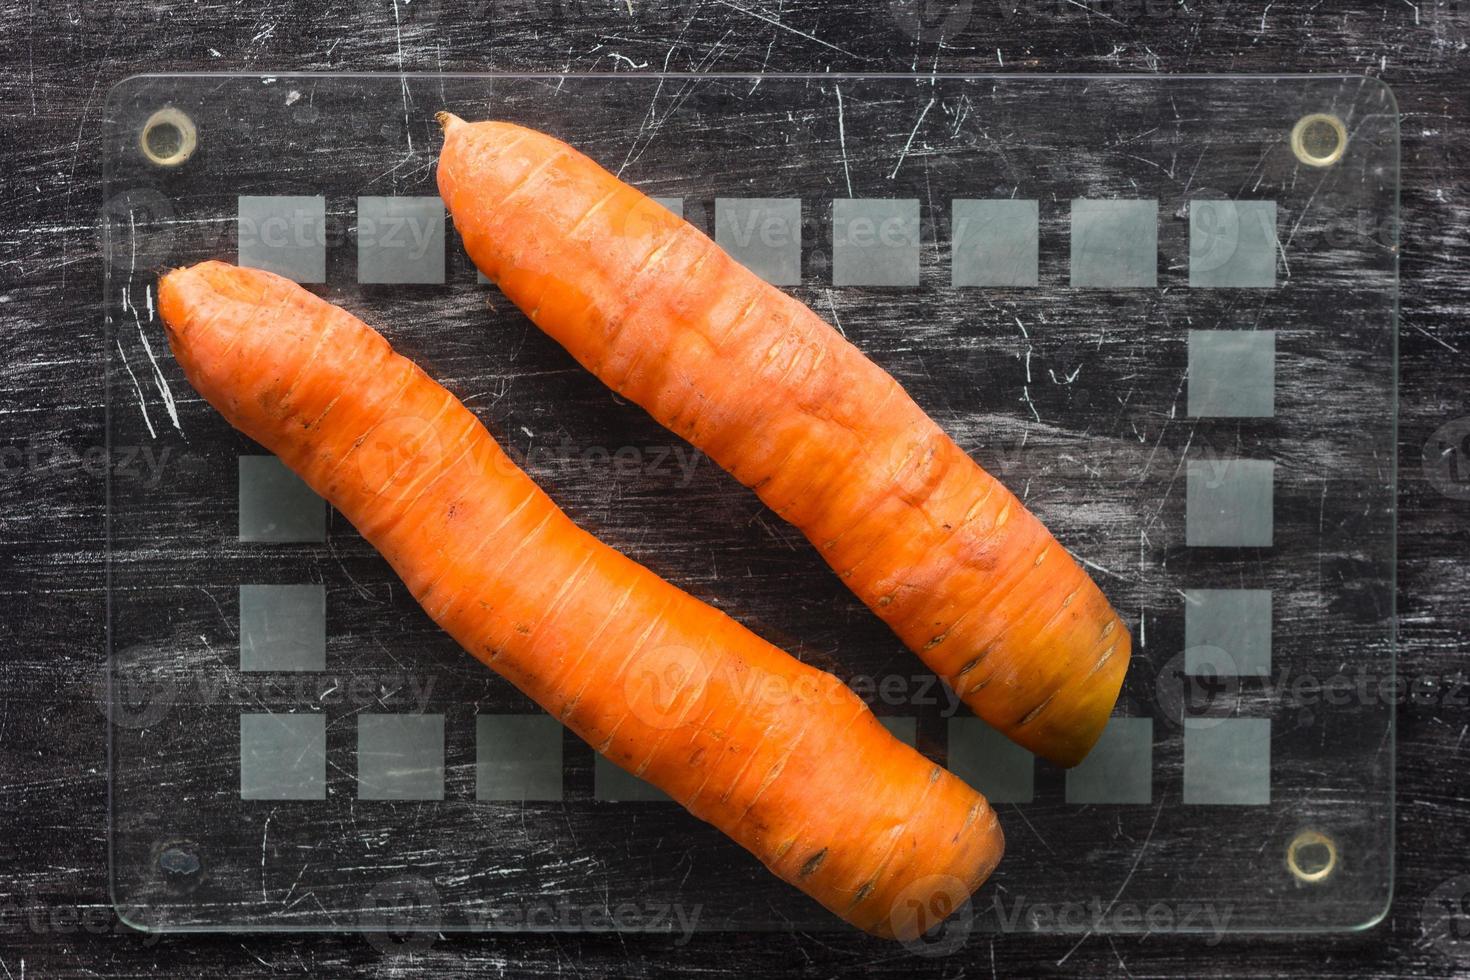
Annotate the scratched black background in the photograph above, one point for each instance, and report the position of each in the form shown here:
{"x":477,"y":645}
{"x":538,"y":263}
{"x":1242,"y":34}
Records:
{"x":61,"y":58}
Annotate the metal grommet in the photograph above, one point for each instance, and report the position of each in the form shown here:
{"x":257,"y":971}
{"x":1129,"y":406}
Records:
{"x":168,"y":138}
{"x":1311,"y":857}
{"x":1319,"y":140}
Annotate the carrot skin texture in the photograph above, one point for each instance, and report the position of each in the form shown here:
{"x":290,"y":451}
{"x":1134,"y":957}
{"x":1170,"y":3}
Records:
{"x":780,"y":756}
{"x":966,"y":576}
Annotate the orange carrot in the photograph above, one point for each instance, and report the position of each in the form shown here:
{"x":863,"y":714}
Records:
{"x":780,"y":756}
{"x":966,"y":576}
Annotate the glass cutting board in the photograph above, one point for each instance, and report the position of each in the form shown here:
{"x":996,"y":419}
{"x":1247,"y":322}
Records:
{"x":1161,"y":309}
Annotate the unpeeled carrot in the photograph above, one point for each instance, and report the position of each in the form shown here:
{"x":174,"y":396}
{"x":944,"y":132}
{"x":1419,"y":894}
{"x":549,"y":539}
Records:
{"x":964,"y":574}
{"x":780,"y":756}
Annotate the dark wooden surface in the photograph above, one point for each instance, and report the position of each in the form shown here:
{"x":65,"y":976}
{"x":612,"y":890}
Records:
{"x":61,"y":58}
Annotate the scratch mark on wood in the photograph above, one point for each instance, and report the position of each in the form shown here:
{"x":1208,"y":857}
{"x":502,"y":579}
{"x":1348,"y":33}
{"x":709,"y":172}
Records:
{"x":919,"y":122}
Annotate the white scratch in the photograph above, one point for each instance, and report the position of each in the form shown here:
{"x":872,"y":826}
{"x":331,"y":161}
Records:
{"x":127,"y":304}
{"x":138,"y":389}
{"x":264,"y":836}
{"x":1281,"y":249}
{"x":1111,"y":20}
{"x":402,"y":78}
{"x":836,"y":320}
{"x":1026,"y":397}
{"x":1095,"y":566}
{"x":648,"y":129}
{"x":158,"y":379}
{"x":785,"y":27}
{"x":1438,"y":340}
{"x":842,"y":139}
{"x":1119,"y":893}
{"x":912,"y":134}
